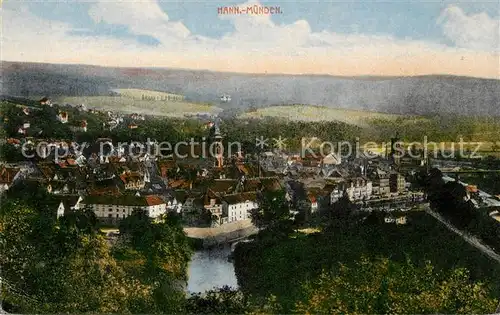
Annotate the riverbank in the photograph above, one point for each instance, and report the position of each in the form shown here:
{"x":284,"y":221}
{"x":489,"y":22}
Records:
{"x":224,"y":234}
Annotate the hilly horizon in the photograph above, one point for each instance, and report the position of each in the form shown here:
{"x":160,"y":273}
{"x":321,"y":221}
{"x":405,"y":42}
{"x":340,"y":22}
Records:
{"x":419,"y":95}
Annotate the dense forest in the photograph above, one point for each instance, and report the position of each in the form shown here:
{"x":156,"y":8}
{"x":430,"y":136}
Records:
{"x":359,"y":264}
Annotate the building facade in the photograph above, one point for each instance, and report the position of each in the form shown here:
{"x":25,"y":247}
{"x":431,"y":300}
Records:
{"x":113,"y":209}
{"x":237,"y":207}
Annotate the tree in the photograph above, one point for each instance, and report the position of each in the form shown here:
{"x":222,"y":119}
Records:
{"x":273,"y":212}
{"x":224,"y":300}
{"x":495,"y":147}
{"x":60,"y":265}
{"x":382,"y":287}
{"x":338,"y":214}
{"x":164,"y":244}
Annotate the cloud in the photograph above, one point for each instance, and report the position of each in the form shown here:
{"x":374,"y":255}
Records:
{"x":478,"y":32}
{"x":257,"y":44}
{"x":142,"y":18}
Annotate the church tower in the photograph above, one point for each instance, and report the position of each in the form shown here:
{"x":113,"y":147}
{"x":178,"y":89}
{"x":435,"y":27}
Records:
{"x":218,"y":148}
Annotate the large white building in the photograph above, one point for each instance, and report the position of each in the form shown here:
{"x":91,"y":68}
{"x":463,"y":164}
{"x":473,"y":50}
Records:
{"x":237,"y":207}
{"x":115,"y":208}
{"x":358,"y":188}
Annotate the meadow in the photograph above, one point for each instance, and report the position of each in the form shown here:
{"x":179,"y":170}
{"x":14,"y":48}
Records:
{"x":129,"y":105}
{"x":313,"y":113}
{"x":138,"y":93}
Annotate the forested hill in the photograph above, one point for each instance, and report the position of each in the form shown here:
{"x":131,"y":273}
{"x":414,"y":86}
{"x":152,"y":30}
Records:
{"x":401,"y":95}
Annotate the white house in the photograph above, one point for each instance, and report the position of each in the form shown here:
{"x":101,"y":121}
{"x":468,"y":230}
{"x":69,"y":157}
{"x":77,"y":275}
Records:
{"x":337,"y":193}
{"x":225,"y":98}
{"x":174,"y":201}
{"x":115,"y":208}
{"x":67,"y":204}
{"x":80,"y":126}
{"x":237,"y":207}
{"x":46,"y":101}
{"x":314,"y":202}
{"x":358,"y":188}
{"x":174,"y":205}
{"x":62,"y":117}
{"x":398,"y":221}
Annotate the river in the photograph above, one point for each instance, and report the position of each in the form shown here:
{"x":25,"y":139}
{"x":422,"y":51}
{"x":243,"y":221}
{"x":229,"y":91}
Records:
{"x":211,"y":268}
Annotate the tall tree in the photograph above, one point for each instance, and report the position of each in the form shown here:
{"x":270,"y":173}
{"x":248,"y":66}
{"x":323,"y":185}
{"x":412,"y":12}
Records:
{"x":273,"y":213}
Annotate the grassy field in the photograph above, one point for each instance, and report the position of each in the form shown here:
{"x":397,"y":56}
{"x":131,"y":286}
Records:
{"x":317,"y":113}
{"x":145,"y":107}
{"x":138,"y":93}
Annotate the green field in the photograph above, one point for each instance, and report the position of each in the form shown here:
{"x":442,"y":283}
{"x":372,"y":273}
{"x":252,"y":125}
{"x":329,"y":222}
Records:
{"x":318,"y":113}
{"x":138,"y":93}
{"x":145,"y":107}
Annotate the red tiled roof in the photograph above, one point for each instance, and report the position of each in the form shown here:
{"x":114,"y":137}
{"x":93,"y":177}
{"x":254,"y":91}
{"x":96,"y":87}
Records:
{"x":71,"y":161}
{"x":129,"y":177}
{"x":223,"y":186}
{"x":312,"y":198}
{"x":180,"y":183}
{"x":153,"y":200}
{"x":471,"y":188}
{"x":13,"y":141}
{"x":7,"y":175}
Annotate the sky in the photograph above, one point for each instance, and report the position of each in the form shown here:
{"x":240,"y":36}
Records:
{"x":345,"y":38}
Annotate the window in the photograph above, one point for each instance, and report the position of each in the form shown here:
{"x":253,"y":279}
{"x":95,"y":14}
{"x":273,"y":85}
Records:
{"x":110,"y":215}
{"x":117,"y":215}
{"x":110,"y":209}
